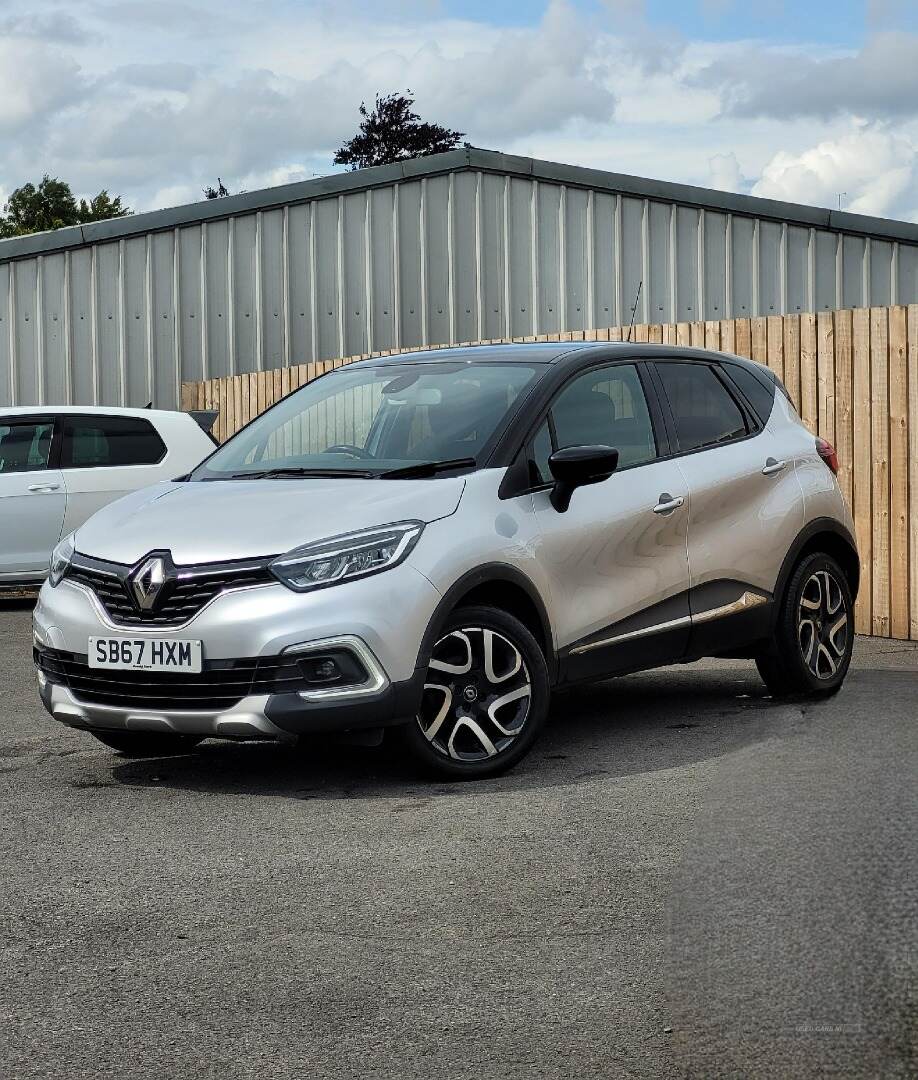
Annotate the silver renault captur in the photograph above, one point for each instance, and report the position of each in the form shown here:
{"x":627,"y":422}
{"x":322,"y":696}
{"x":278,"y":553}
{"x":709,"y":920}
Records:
{"x":432,"y":542}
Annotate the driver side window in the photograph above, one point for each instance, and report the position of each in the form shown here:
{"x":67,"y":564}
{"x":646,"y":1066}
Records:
{"x":604,"y":407}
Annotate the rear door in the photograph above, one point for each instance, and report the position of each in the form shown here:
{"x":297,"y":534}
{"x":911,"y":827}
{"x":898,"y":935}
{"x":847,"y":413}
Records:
{"x":616,"y":559}
{"x":105,"y":457}
{"x":32,"y":496}
{"x":745,"y":504}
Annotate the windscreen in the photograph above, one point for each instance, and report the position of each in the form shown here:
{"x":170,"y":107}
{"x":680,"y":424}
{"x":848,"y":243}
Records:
{"x":377,"y":419}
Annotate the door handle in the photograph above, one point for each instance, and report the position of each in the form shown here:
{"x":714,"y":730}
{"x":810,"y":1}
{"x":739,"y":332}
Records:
{"x":667,"y":503}
{"x":772,"y":467}
{"x":44,"y":487}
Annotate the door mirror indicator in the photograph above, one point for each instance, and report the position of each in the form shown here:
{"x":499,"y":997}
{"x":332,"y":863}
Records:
{"x":576,"y":466}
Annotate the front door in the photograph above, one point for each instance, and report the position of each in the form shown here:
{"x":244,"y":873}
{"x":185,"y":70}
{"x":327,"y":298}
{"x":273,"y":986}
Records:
{"x":32,"y":498}
{"x":616,"y":559}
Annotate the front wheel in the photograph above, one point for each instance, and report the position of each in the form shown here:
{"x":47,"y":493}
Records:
{"x":147,"y":743}
{"x":814,"y":632}
{"x":485,"y":697}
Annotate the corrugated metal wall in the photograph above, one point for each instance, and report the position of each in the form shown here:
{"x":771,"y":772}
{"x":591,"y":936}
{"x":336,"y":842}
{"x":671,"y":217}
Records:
{"x":445,"y":258}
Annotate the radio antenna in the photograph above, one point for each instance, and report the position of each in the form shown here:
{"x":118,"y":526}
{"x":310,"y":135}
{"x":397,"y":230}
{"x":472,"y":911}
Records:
{"x":637,"y":297}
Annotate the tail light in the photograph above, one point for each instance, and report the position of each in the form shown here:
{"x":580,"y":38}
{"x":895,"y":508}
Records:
{"x":828,"y":454}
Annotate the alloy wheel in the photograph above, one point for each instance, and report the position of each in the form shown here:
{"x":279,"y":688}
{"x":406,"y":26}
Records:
{"x":477,"y":695}
{"x":823,"y":629}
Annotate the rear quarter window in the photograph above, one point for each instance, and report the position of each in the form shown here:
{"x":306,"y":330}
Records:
{"x":759,"y":396}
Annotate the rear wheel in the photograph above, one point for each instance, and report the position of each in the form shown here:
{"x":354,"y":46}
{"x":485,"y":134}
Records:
{"x":814,"y":633}
{"x":147,"y":743}
{"x":485,"y":696}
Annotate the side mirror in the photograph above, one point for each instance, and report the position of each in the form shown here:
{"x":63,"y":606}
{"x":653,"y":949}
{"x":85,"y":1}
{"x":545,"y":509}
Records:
{"x":577,"y":466}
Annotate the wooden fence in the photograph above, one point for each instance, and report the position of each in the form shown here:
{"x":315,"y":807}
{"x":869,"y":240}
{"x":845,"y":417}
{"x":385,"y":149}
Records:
{"x":853,"y":375}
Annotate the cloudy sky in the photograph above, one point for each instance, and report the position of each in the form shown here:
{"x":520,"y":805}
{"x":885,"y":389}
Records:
{"x":154,"y":98}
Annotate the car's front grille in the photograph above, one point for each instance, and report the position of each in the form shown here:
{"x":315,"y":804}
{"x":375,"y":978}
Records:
{"x":222,"y":683}
{"x":182,"y":598}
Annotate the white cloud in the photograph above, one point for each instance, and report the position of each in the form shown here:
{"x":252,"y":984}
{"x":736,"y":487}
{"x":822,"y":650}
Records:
{"x":880,"y":80}
{"x":725,"y":173}
{"x":876,"y":168}
{"x":153,"y":99}
{"x":35,"y":81}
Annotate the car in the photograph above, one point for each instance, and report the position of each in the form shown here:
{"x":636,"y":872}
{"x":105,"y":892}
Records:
{"x":59,"y":465}
{"x":432,"y":543}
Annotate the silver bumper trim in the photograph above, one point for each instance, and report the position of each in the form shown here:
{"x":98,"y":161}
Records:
{"x":246,"y":719}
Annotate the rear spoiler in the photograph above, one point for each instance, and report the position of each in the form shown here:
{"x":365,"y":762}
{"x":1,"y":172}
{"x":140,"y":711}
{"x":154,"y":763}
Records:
{"x":205,"y":419}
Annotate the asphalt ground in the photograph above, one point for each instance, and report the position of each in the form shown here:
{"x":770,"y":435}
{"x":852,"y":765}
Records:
{"x":685,"y":878}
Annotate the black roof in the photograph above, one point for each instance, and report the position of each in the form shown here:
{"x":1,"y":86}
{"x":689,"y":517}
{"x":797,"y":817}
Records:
{"x":553,"y":352}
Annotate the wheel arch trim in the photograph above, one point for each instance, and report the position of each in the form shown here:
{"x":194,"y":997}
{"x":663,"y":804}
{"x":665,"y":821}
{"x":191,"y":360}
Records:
{"x":810,"y":531}
{"x":498,"y":574}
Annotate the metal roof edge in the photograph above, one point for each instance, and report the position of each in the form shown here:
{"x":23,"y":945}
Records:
{"x":688,"y":194}
{"x":492,"y":161}
{"x":247,"y":202}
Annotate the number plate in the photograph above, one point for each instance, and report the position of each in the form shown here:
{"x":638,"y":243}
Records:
{"x":145,"y":654}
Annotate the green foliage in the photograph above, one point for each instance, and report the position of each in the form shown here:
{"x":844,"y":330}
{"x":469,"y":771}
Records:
{"x":51,"y":205}
{"x":392,"y":131}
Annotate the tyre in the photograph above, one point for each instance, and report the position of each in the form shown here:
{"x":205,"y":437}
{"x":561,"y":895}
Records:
{"x":147,"y":743}
{"x":485,"y":697}
{"x":814,"y":632}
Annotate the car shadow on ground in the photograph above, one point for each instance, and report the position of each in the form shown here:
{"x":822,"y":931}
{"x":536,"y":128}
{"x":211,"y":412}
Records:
{"x":636,"y":725}
{"x":25,"y":602}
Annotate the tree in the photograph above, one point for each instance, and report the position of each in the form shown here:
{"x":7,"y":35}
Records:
{"x":101,"y":208}
{"x":392,"y":131}
{"x":51,"y":205}
{"x":218,"y":192}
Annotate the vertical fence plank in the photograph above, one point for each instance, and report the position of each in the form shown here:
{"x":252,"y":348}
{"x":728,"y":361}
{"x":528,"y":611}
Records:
{"x":861,"y":485}
{"x":229,"y":426}
{"x":727,"y":335}
{"x":791,"y":356}
{"x":774,"y":352}
{"x":826,"y":389}
{"x":879,"y":428}
{"x":844,"y":403}
{"x":898,"y":473}
{"x":683,"y":333}
{"x":712,"y":335}
{"x":912,"y":364}
{"x":743,"y":336}
{"x":809,"y":374}
{"x":759,"y":340}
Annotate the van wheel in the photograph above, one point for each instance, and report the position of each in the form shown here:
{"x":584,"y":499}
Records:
{"x":147,"y":743}
{"x":485,"y":697}
{"x":814,"y":634}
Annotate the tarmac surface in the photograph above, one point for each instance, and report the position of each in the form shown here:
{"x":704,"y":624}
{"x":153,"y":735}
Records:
{"x":685,"y":878}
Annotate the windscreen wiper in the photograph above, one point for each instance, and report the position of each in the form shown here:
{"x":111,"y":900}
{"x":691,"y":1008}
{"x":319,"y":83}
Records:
{"x":427,"y":468}
{"x":297,"y":472}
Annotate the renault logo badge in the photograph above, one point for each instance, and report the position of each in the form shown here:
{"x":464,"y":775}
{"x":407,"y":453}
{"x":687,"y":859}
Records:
{"x":147,"y":582}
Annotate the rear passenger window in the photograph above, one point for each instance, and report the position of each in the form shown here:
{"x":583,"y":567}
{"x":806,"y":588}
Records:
{"x":759,"y":396}
{"x":704,"y":411}
{"x":109,"y":441}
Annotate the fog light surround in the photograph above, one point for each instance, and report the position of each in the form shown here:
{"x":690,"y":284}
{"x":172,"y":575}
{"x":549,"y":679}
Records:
{"x":356,"y":673}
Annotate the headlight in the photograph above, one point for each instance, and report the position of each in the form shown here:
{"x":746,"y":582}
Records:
{"x":60,"y":560}
{"x":354,"y":555}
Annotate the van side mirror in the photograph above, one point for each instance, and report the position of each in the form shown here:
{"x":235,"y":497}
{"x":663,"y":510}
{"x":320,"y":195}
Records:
{"x":576,"y":466}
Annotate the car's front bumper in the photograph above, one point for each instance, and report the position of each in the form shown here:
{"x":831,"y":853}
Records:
{"x":263,"y":716}
{"x":387,"y":615}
